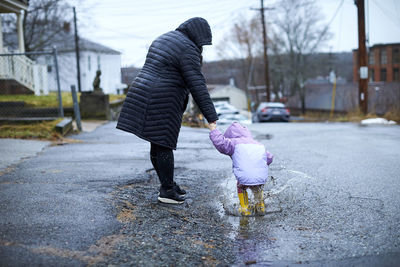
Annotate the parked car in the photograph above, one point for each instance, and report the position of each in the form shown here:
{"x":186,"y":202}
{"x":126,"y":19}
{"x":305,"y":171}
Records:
{"x":272,"y":111}
{"x":219,"y":104}
{"x":225,"y":108}
{"x":229,"y":118}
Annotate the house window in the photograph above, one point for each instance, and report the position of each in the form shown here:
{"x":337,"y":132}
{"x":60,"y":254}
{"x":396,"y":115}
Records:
{"x":371,"y":58}
{"x":49,"y":63}
{"x":371,"y":75}
{"x":396,"y":75}
{"x":89,"y":63}
{"x":383,"y":57}
{"x":396,"y":55}
{"x":98,"y":62}
{"x":383,"y":75}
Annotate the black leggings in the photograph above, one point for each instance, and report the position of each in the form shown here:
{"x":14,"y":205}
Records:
{"x":162,"y":159}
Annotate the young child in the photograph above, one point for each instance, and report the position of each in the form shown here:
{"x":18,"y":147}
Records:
{"x":250,"y":162}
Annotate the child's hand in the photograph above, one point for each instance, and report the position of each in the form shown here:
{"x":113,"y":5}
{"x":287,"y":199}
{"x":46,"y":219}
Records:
{"x":212,"y":125}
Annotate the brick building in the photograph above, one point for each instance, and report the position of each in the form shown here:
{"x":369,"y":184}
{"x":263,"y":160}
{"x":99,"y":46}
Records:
{"x":383,"y":63}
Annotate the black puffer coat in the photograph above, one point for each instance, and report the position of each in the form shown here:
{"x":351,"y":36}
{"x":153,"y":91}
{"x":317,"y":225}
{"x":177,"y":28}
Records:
{"x":158,"y":96}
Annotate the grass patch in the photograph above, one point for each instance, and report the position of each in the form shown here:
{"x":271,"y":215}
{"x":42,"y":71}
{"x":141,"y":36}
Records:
{"x":351,"y":116}
{"x":393,"y":114}
{"x":116,"y":97}
{"x":33,"y":130}
{"x":48,"y":101}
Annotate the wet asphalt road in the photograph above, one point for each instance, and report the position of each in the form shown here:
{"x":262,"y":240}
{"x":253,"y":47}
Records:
{"x":334,"y":200}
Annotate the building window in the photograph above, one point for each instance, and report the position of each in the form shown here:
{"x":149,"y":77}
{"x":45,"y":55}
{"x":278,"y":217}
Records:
{"x":89,"y":63}
{"x":396,"y":55}
{"x":371,"y":58}
{"x":383,"y":57}
{"x":98,"y":62}
{"x":396,"y":75}
{"x":383,"y":75}
{"x":49,"y":63}
{"x":371,"y":75}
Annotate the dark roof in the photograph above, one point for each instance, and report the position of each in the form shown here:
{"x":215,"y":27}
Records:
{"x":128,"y":74}
{"x":13,"y":6}
{"x":25,"y":2}
{"x":64,"y":42}
{"x":379,"y":45}
{"x":384,"y":45}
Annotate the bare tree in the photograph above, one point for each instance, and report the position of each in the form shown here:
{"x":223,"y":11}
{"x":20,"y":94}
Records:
{"x":301,"y":31}
{"x":244,"y":42}
{"x":45,"y":22}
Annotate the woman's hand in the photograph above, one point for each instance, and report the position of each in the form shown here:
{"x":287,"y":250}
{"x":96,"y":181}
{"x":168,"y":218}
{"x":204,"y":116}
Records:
{"x":212,"y":125}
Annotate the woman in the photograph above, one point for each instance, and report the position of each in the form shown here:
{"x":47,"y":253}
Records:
{"x":158,"y":96}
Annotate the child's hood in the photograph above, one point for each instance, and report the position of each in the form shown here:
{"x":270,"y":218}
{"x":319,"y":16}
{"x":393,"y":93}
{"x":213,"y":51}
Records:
{"x":235,"y":130}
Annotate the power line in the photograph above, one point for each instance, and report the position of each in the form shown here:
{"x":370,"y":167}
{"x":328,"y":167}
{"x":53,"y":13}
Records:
{"x":151,"y":10}
{"x":329,"y":23}
{"x":397,"y":10}
{"x":387,"y":13}
{"x":340,"y":27}
{"x":336,"y":12}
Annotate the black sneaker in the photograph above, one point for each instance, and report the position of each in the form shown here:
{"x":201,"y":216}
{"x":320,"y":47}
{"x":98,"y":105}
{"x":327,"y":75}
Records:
{"x":170,"y":196}
{"x":179,"y":190}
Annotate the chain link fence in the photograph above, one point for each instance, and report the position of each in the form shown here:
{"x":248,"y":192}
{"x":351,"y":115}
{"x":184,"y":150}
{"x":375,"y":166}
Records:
{"x":30,"y":85}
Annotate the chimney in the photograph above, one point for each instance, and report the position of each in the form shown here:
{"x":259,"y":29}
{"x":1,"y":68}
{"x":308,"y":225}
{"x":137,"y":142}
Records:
{"x":67,"y":27}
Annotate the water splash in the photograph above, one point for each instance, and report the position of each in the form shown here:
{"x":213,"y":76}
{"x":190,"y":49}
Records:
{"x":281,"y":191}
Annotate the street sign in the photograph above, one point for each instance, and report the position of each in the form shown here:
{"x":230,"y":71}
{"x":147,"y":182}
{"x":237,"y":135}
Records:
{"x":363,"y":72}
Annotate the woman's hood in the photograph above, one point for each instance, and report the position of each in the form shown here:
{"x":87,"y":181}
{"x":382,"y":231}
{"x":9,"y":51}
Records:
{"x":235,"y":130}
{"x":198,"y":30}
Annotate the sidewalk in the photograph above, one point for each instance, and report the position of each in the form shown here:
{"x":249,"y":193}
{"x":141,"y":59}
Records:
{"x":13,"y":151}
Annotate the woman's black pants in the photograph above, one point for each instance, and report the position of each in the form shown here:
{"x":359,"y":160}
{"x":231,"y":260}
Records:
{"x":162,"y":159}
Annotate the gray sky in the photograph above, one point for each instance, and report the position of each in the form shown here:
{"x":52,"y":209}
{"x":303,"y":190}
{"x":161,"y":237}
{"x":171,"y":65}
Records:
{"x":130,"y":26}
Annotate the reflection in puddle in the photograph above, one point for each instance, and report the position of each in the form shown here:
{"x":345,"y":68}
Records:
{"x":252,"y":240}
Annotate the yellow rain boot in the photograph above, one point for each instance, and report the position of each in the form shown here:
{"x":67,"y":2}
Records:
{"x":259,"y":199}
{"x":244,"y":203}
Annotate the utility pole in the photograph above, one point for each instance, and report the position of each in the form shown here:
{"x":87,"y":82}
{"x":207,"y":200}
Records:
{"x":78,"y":68}
{"x":266,"y":66}
{"x":362,"y":58}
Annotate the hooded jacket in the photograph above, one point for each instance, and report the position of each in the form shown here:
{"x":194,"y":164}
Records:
{"x":250,"y":160}
{"x":158,"y":96}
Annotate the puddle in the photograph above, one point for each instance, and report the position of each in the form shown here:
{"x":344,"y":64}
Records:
{"x":322,"y":219}
{"x":281,"y":191}
{"x":251,"y":234}
{"x":264,"y":137}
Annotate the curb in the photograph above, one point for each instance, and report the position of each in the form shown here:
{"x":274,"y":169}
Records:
{"x":64,"y":126}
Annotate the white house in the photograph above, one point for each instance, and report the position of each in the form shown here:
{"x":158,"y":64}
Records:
{"x":233,"y":95}
{"x":93,"y":57}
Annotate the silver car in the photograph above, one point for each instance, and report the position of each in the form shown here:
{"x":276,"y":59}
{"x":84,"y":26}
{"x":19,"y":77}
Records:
{"x":272,"y":111}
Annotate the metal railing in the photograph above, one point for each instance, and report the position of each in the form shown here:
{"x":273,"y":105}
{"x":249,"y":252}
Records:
{"x":20,"y":75}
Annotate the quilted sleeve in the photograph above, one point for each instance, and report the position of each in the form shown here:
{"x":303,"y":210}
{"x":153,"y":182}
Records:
{"x":194,"y":80}
{"x":221,"y":143}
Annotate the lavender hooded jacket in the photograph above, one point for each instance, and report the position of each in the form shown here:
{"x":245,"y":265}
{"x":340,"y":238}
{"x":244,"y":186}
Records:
{"x":250,"y":160}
